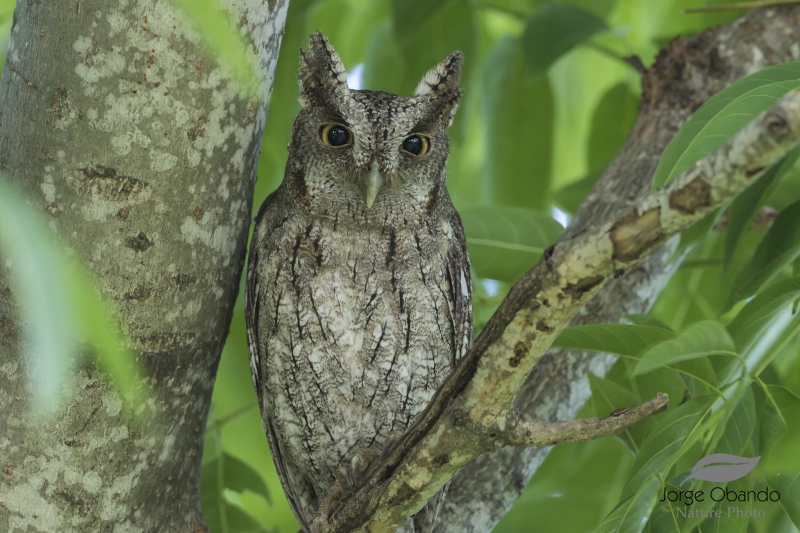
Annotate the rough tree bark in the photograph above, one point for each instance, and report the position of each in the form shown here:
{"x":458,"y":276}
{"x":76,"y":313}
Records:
{"x":686,"y":73}
{"x":142,"y":150}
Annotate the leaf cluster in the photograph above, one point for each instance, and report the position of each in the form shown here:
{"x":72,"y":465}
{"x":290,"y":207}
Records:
{"x":728,"y":358}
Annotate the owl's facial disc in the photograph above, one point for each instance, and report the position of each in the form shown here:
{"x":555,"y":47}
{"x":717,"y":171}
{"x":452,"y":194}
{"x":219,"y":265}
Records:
{"x":373,"y":181}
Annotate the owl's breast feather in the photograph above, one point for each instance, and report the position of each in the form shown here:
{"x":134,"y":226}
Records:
{"x":361,"y":338}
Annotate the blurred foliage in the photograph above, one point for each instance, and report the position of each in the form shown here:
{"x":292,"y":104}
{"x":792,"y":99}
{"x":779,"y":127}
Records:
{"x":505,"y":241}
{"x":222,"y":36}
{"x":63,"y":318}
{"x":553,"y":30}
{"x":548,"y":101}
{"x":744,"y":207}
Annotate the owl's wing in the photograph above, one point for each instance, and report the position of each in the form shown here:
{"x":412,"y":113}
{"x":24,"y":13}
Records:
{"x":299,"y":493}
{"x":251,"y":301}
{"x":460,"y":288}
{"x":301,"y":496}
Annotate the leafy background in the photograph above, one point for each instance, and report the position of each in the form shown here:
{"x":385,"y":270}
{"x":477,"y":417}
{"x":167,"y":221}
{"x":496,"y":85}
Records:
{"x":548,"y":101}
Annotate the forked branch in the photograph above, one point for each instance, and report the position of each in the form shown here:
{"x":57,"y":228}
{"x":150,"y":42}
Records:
{"x":473,"y":411}
{"x":535,"y":433}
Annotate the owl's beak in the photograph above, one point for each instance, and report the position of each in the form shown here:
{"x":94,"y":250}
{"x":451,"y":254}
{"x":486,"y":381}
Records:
{"x":374,"y":182}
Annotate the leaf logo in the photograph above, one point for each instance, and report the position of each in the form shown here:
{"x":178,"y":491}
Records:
{"x":733,"y":468}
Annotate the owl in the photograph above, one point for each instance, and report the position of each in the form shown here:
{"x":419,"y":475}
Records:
{"x":358,"y":297}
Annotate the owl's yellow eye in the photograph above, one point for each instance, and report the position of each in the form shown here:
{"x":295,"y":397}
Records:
{"x":416,"y":145}
{"x":335,"y":135}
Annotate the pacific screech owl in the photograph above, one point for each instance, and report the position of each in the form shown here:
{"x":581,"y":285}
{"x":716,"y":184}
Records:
{"x":359,"y":301}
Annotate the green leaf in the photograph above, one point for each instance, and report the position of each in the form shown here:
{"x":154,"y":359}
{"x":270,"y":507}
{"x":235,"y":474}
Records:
{"x":662,"y":446}
{"x":504,"y":242}
{"x":780,"y":432}
{"x":777,"y":522}
{"x":239,"y":521}
{"x":611,"y":124}
{"x":570,"y":197}
{"x":700,"y":369}
{"x":664,"y":380}
{"x":60,"y":306}
{"x":745,"y":206}
{"x":608,"y":396}
{"x":425,"y":40}
{"x":239,"y":476}
{"x":415,"y":39}
{"x":647,"y":320}
{"x":601,"y":8}
{"x":6,"y":16}
{"x":223,"y":517}
{"x":781,"y":414}
{"x":220,"y":33}
{"x":732,"y":523}
{"x":758,"y":317}
{"x":345,"y":24}
{"x":722,"y":115}
{"x":758,"y":358}
{"x":6,"y":10}
{"x":786,"y":191}
{"x":663,"y":519}
{"x":519,"y":172}
{"x":777,"y":250}
{"x":519,"y":9}
{"x":553,"y":30}
{"x":227,"y":472}
{"x":728,"y":369}
{"x":628,"y":516}
{"x":585,"y":476}
{"x":383,"y":61}
{"x":620,"y":339}
{"x":212,"y":445}
{"x":699,"y":340}
{"x":739,"y":426}
{"x":407,"y":14}
{"x":697,"y":232}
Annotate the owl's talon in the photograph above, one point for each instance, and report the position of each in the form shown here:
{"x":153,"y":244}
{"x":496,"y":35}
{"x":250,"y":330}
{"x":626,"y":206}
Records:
{"x":355,"y":472}
{"x":359,"y":465}
{"x":346,"y":474}
{"x":387,"y":445}
{"x":332,"y":498}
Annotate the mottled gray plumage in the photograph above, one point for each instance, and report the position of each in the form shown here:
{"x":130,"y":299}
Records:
{"x":355,"y":314}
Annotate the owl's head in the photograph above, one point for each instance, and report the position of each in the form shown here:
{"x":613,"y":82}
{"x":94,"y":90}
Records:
{"x":370,"y":147}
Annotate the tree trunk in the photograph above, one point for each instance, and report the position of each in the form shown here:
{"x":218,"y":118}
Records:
{"x":686,"y":73}
{"x":142,"y":150}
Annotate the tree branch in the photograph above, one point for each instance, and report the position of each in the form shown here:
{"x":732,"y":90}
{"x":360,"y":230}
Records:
{"x":537,"y":308}
{"x":685,"y":74}
{"x":535,"y":433}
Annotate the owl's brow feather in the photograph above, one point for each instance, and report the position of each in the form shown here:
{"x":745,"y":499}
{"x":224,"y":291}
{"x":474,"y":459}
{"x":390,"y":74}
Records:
{"x":333,"y":116}
{"x":424,"y":125}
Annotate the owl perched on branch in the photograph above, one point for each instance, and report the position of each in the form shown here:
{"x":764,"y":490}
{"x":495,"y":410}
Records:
{"x":359,"y":301}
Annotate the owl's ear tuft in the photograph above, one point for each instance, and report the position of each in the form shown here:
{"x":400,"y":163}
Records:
{"x":441,"y":85}
{"x":321,"y":70}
